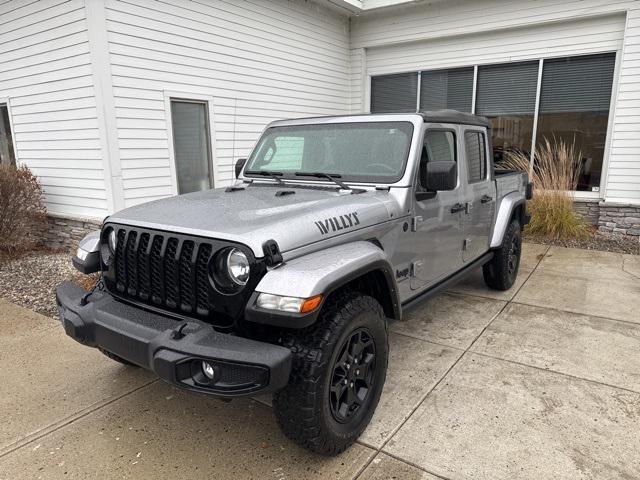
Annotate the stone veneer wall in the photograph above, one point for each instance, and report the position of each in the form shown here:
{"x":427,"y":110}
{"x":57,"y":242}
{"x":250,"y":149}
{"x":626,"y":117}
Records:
{"x":65,"y":233}
{"x":620,"y":219}
{"x":610,"y":218}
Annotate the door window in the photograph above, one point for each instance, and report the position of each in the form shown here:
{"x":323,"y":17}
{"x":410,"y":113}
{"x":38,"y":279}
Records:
{"x":440,"y":146}
{"x":475,"y":148}
{"x":7,"y":155}
{"x":191,"y":145}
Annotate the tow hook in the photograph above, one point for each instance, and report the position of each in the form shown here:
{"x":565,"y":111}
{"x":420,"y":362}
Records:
{"x":177,"y":333}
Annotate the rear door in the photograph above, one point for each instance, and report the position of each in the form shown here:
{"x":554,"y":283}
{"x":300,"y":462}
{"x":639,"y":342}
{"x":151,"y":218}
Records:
{"x":437,"y":221}
{"x":478,"y":194}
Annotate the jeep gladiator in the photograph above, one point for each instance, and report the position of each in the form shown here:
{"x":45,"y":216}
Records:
{"x":285,"y":282}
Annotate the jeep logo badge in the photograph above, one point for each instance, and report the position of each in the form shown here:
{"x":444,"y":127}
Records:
{"x":341,"y":222}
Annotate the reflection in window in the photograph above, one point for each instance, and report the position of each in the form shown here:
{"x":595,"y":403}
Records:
{"x":191,"y":145}
{"x":506,"y":93}
{"x":574,"y":107}
{"x":474,"y":144}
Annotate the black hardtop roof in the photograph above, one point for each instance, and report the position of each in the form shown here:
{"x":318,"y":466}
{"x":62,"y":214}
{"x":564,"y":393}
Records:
{"x":454,"y":116}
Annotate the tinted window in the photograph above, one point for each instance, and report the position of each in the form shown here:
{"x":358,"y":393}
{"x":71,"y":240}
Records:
{"x":474,"y":144}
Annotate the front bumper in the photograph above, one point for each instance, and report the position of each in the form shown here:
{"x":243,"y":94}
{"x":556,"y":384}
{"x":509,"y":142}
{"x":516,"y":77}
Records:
{"x":171,"y":348}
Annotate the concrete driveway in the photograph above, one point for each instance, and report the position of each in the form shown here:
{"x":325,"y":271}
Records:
{"x":542,"y":381}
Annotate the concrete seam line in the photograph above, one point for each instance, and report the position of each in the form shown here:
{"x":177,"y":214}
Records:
{"x":408,"y":335}
{"x":43,"y":432}
{"x":575,"y":312}
{"x":556,"y":372}
{"x":467,"y":350}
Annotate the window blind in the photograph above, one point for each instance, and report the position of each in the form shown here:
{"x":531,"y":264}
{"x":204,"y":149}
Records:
{"x":577,"y":84}
{"x":394,"y":93}
{"x":451,"y":88}
{"x":507,"y":89}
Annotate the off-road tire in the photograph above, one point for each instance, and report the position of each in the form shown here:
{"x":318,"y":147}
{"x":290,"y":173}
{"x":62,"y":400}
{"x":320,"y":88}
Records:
{"x":501,"y":272}
{"x":304,"y":408}
{"x":118,"y":359}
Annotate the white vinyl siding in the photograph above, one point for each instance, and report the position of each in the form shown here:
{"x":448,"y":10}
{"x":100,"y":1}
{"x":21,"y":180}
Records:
{"x":448,"y":35}
{"x":45,"y":76}
{"x":258,"y":61}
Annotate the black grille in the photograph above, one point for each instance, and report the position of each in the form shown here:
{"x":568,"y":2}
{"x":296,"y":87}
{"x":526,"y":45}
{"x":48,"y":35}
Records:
{"x":163,"y":270}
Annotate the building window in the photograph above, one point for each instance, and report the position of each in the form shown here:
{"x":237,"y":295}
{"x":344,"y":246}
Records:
{"x":394,"y":93}
{"x":506,"y":94}
{"x":451,"y":88}
{"x":574,"y":107}
{"x":475,"y":148}
{"x":191,"y":145}
{"x":7,"y":154}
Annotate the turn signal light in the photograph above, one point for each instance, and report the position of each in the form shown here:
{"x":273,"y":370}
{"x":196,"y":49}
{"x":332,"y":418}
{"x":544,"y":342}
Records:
{"x":310,"y":304}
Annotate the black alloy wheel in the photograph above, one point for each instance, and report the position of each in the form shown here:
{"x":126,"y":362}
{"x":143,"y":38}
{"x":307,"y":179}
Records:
{"x":353,"y":375}
{"x":514,"y":254}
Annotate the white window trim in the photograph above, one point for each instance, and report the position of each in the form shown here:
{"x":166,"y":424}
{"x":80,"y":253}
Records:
{"x":7,"y":102}
{"x":208,"y":100}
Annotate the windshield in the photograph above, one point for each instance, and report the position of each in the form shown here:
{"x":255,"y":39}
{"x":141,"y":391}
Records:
{"x":373,"y":152}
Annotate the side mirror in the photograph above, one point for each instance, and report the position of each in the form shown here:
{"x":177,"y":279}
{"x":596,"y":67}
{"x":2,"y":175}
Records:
{"x":240,"y":165}
{"x":440,"y":176}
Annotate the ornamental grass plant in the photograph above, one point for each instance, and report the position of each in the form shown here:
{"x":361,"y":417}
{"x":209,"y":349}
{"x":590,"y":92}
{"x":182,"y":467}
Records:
{"x":554,"y":175}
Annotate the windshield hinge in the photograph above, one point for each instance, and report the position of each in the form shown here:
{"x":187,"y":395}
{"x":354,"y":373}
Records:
{"x":272,"y":253}
{"x":414,"y":223}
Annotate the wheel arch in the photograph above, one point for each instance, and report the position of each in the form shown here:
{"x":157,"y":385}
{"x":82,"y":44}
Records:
{"x":512,"y":204}
{"x":360,"y":266}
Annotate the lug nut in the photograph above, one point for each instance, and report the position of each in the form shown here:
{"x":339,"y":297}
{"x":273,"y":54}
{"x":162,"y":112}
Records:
{"x":344,"y":381}
{"x":351,"y":385}
{"x":357,"y":372}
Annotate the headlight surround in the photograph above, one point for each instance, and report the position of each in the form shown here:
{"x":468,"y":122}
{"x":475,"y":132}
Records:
{"x":230,"y":270}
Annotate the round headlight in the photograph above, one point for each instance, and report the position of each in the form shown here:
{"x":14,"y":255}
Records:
{"x":230,"y":270}
{"x":113,"y":240}
{"x":238,"y":266}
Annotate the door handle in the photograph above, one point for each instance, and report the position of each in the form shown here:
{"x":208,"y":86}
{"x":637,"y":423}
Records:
{"x":486,"y":199}
{"x":458,"y":207}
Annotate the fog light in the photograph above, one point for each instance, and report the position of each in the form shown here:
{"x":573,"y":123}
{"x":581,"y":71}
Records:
{"x":208,"y":370}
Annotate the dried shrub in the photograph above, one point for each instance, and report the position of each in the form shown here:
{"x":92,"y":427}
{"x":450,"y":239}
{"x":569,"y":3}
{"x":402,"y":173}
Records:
{"x":22,"y":211}
{"x":555,"y":176}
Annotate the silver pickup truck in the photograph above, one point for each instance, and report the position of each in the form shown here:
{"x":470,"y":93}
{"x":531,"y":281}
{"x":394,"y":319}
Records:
{"x":285,"y":282}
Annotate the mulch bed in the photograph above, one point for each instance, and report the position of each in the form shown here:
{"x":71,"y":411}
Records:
{"x":30,"y":280}
{"x":595,"y":241}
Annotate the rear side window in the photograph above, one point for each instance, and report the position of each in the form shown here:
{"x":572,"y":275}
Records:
{"x":475,"y":148}
{"x":439,"y":146}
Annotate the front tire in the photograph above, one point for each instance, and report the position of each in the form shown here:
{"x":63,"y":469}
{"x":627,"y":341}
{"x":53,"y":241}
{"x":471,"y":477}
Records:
{"x":501,"y":272}
{"x":339,"y":369}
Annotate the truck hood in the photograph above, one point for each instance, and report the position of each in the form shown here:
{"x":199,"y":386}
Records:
{"x":262,"y":212}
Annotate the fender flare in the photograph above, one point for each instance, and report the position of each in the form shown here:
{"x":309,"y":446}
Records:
{"x":326,"y":270}
{"x":505,"y":211}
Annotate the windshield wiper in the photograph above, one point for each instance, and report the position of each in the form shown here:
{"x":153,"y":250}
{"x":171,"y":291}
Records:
{"x":266,"y":173}
{"x":330,"y":176}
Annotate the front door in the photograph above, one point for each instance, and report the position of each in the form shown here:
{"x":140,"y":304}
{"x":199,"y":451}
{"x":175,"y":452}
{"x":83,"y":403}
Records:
{"x":437,"y":220}
{"x":478,"y":196}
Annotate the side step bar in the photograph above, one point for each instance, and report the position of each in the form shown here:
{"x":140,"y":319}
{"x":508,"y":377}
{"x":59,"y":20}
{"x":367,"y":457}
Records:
{"x":447,"y":282}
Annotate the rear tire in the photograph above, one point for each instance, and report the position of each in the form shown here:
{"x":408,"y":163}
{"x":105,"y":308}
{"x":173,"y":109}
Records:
{"x":118,"y":359}
{"x":501,"y":272}
{"x":339,"y":369}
